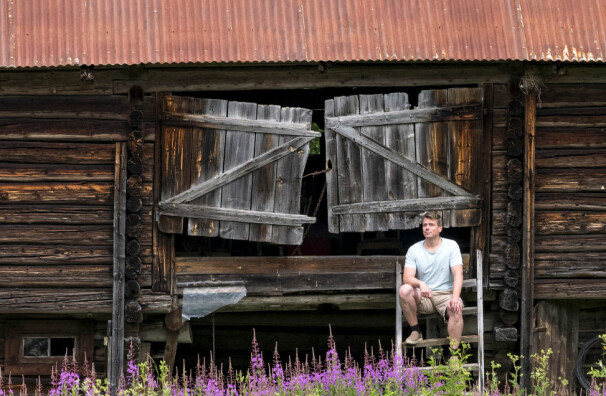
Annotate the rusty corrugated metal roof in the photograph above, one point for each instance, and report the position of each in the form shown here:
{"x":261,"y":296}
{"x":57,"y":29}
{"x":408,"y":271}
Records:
{"x":109,"y":32}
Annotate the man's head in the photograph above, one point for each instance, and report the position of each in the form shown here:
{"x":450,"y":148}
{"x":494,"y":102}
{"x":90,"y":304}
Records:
{"x":432,"y":224}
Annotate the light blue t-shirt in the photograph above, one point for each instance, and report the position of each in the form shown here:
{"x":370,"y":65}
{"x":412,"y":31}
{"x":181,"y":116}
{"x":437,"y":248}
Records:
{"x":434,"y":268}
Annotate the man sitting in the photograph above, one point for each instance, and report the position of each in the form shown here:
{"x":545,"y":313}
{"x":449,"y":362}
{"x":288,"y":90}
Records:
{"x":433,"y":278}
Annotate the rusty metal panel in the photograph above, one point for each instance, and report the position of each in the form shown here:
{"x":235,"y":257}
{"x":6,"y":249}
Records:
{"x":107,"y":32}
{"x":565,"y":30}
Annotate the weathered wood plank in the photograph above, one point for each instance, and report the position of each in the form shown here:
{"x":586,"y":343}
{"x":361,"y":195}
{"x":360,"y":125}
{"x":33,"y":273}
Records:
{"x":56,"y":276}
{"x":571,"y":201}
{"x":564,"y":265}
{"x":235,"y":215}
{"x":58,"y":214}
{"x":10,"y":172}
{"x":570,"y":288}
{"x":569,"y":222}
{"x":332,"y":178}
{"x":348,"y":166}
{"x":79,"y":193}
{"x":17,"y":254}
{"x":285,"y":264}
{"x":570,"y":243}
{"x":69,"y":106}
{"x":374,"y":186}
{"x":452,"y":112}
{"x":398,"y":159}
{"x":570,"y":180}
{"x":68,"y":130}
{"x":271,"y":284}
{"x":84,"y":235}
{"x":432,"y":144}
{"x":571,"y":158}
{"x":573,"y":136}
{"x":74,"y":301}
{"x":312,"y":302}
{"x":264,"y":179}
{"x":238,"y":171}
{"x":435,"y":203}
{"x":57,"y":153}
{"x":176,"y":160}
{"x":241,"y":125}
{"x":400,"y":183}
{"x":305,"y":77}
{"x":573,"y":95}
{"x":465,"y":145}
{"x":239,"y":148}
{"x":561,"y":332}
{"x":289,"y":177}
{"x":207,"y":162}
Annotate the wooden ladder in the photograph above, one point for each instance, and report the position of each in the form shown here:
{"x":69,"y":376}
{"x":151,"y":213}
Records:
{"x":477,"y":311}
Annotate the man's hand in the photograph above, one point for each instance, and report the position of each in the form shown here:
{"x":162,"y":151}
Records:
{"x":425,"y":290}
{"x":455,"y":306}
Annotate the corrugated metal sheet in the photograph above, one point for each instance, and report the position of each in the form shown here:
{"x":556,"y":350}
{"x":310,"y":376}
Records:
{"x":106,"y":32}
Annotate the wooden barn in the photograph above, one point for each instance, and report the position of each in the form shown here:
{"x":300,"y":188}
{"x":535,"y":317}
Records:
{"x":174,"y":174}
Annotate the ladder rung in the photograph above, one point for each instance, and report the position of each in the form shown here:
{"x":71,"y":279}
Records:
{"x":442,"y":341}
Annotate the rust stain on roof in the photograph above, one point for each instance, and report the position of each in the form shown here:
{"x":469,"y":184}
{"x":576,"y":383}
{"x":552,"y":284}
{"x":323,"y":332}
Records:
{"x":107,"y":32}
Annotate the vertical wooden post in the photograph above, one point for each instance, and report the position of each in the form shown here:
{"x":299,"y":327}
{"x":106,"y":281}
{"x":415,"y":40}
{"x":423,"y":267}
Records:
{"x":115,"y":363}
{"x":398,"y":309}
{"x":526,"y":330}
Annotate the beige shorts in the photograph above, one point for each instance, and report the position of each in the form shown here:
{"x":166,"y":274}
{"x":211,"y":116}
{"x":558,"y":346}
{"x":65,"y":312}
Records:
{"x":438,"y":302}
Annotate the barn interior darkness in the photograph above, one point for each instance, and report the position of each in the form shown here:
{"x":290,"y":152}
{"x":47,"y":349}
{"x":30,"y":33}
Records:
{"x":297,"y":332}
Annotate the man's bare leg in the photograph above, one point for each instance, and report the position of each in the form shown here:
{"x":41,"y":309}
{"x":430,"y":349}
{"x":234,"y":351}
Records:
{"x":409,"y":299}
{"x":455,"y":328}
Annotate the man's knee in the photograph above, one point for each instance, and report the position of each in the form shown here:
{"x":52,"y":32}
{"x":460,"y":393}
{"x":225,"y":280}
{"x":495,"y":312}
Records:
{"x":454,"y":317}
{"x":406,"y":292}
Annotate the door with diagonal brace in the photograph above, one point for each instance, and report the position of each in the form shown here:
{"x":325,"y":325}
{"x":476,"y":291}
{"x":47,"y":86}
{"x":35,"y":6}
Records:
{"x":233,"y":169}
{"x":390,"y":162}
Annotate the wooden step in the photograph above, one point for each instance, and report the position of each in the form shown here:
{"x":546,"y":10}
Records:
{"x":473,"y":367}
{"x":468,"y":339}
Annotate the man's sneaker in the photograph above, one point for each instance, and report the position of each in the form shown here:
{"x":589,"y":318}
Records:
{"x":414,"y":338}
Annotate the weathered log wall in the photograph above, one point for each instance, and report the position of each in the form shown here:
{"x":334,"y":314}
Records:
{"x":57,"y":161}
{"x":570,"y":204}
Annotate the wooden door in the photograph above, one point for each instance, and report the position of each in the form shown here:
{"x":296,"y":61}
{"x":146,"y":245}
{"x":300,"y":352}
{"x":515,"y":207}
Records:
{"x":233,"y":169}
{"x":389,"y":163}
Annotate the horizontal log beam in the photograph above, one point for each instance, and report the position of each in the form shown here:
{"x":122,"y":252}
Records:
{"x":52,"y":172}
{"x":311,"y":302}
{"x":75,"y":301}
{"x":438,"y":203}
{"x":570,"y":243}
{"x":83,"y":235}
{"x":233,"y":124}
{"x":570,"y":201}
{"x":570,"y":265}
{"x":435,"y":114}
{"x":237,"y":215}
{"x":57,"y":152}
{"x":290,"y":274}
{"x":306,"y":76}
{"x":570,"y":180}
{"x":60,"y":276}
{"x":570,"y":289}
{"x":57,"y":214}
{"x":569,"y":222}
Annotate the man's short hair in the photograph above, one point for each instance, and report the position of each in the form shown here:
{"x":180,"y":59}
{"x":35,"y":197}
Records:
{"x":434,"y":215}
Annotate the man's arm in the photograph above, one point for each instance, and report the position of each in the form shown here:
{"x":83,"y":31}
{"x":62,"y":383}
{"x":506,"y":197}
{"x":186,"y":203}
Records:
{"x":455,"y":304}
{"x":410,"y":279}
